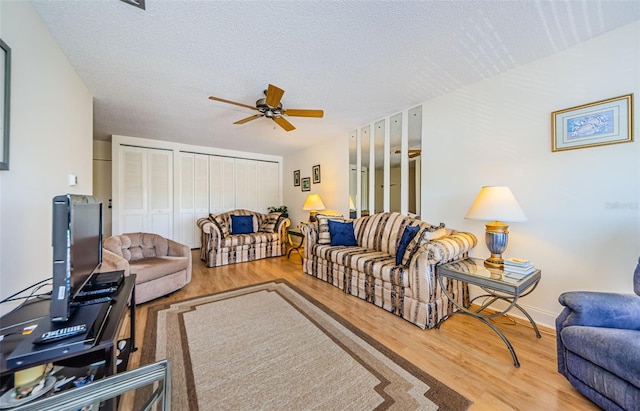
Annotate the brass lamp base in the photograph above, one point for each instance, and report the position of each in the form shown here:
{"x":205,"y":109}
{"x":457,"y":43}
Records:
{"x":496,"y":236}
{"x":312,"y":216}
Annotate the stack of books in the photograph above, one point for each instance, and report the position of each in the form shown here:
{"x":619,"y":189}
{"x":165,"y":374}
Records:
{"x":517,"y":268}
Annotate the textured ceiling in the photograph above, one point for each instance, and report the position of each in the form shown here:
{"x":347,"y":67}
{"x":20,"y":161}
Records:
{"x":151,"y":71}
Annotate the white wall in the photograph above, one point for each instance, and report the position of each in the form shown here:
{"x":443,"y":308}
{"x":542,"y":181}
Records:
{"x":51,"y":137}
{"x":333,"y":157}
{"x":583,"y":205}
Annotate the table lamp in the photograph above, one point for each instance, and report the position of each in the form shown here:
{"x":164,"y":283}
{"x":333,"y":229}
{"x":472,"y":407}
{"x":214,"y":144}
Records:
{"x":313,"y":203}
{"x":496,"y":204}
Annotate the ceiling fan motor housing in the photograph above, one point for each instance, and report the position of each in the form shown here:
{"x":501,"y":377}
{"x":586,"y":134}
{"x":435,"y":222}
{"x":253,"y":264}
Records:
{"x":267,"y":110}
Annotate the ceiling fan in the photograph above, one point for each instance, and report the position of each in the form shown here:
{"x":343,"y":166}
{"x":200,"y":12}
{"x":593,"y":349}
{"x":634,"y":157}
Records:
{"x":413,"y":153}
{"x":271,"y":107}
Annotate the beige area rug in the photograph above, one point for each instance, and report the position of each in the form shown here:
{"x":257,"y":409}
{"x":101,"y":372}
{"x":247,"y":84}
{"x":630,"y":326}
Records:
{"x":272,"y":347}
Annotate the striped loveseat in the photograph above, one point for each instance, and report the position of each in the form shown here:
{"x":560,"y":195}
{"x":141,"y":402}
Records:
{"x":220,"y":246}
{"x":368,"y":270}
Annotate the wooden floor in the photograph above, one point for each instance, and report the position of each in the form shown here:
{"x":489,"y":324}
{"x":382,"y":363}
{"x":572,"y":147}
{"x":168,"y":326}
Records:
{"x":464,"y":354}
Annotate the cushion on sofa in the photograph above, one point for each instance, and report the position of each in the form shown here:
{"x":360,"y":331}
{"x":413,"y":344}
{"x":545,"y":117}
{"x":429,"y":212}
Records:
{"x":268,"y":224}
{"x":324,"y":236}
{"x":241,"y":224}
{"x":219,"y":221}
{"x":342,"y":233}
{"x":408,"y":234}
{"x":425,"y":235}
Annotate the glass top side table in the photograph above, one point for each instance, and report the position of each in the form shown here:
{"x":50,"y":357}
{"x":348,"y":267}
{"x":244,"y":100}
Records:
{"x":496,"y":287}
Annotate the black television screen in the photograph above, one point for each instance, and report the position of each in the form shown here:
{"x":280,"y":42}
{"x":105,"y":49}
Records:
{"x":77,"y":248}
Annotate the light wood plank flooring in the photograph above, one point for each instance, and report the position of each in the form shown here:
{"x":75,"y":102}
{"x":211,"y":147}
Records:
{"x":464,"y":354}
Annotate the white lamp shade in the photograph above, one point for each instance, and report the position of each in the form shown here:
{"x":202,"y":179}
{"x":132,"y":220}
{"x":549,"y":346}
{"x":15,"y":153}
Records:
{"x":495,"y":203}
{"x":313,"y":202}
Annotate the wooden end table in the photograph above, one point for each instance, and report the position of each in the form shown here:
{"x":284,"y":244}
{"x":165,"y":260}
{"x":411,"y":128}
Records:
{"x":492,"y":281}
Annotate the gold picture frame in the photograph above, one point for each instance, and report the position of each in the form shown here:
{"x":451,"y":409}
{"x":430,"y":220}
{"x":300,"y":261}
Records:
{"x":599,"y":123}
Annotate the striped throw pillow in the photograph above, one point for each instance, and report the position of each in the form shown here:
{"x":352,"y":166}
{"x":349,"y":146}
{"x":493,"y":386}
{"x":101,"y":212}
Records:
{"x":269,"y":223}
{"x":324,"y":236}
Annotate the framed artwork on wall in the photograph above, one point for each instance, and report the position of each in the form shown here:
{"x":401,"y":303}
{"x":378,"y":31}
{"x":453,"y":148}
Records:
{"x":296,"y":178}
{"x":595,"y":124}
{"x":5,"y":101}
{"x":316,"y":174}
{"x":306,"y":184}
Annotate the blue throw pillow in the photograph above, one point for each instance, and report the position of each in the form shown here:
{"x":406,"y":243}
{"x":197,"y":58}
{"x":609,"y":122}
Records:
{"x":342,"y":233}
{"x":407,"y":236}
{"x":241,"y":224}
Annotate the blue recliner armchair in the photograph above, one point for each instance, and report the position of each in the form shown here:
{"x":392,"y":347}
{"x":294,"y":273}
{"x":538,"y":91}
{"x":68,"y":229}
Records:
{"x":598,"y":337}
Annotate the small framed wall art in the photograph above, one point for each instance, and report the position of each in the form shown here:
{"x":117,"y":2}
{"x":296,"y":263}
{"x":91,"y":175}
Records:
{"x":316,"y":174}
{"x":296,"y":178}
{"x":595,"y":124}
{"x":306,"y":184}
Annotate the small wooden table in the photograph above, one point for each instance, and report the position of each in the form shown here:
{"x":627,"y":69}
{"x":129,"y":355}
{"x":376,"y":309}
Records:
{"x":496,"y":287}
{"x":297,"y":244}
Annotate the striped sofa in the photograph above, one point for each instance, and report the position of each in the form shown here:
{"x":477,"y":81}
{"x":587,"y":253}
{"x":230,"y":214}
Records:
{"x":369,"y":270}
{"x":219,"y":246}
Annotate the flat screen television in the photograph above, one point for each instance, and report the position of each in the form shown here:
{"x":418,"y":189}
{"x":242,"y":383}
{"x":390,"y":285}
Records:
{"x":77,"y":249}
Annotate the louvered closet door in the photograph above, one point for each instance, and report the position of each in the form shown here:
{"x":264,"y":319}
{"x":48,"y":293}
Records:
{"x":221,"y":184}
{"x":160,"y":183}
{"x":132,"y":190}
{"x":186,"y":194}
{"x":268,"y":185}
{"x":145,"y":191}
{"x":201,"y":195}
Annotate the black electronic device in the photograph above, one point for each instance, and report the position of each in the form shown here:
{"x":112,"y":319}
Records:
{"x":61,"y":334}
{"x":91,"y":301}
{"x":110,"y":279}
{"x":28,"y":352}
{"x":94,"y":293}
{"x":77,"y":249}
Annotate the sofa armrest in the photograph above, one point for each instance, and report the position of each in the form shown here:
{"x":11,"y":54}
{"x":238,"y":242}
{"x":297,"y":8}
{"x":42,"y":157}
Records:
{"x":207,"y":226}
{"x":113,"y":262}
{"x":310,"y":233}
{"x":181,"y":250}
{"x":453,"y":247}
{"x":281,"y":228}
{"x":422,"y":266}
{"x":599,"y":309}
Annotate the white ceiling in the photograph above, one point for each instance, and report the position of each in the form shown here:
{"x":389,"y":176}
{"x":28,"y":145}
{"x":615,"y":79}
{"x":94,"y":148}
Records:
{"x":151,"y":71}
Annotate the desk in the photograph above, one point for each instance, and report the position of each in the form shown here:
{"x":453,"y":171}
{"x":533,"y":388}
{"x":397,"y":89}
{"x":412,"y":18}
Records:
{"x":105,"y":344}
{"x":490,"y":280}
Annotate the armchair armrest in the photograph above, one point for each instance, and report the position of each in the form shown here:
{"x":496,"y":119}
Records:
{"x":113,"y":262}
{"x":181,"y":250}
{"x":598,"y":309}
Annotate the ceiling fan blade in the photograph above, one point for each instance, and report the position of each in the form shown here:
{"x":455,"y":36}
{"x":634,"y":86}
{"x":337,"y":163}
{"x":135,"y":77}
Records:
{"x":303,"y":113}
{"x":248,"y":119}
{"x":231,"y":102}
{"x":284,"y":123}
{"x":274,"y":95}
{"x":414,"y":155}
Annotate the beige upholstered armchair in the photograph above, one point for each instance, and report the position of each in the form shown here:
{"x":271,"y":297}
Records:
{"x":161,"y":265}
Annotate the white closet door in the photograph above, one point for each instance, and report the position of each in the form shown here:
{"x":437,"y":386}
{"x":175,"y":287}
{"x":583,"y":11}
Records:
{"x":251,"y":185}
{"x":241,"y":177}
{"x":201,"y":197}
{"x":221,"y":184}
{"x":132,"y":175}
{"x":273,"y":198}
{"x":186,"y":198}
{"x":160,"y":188}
